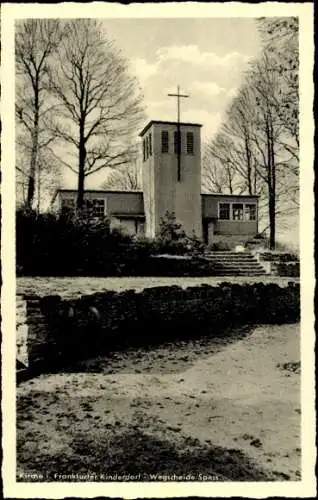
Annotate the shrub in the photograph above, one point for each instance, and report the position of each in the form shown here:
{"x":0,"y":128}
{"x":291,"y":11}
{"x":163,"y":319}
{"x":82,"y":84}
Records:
{"x":174,"y":265}
{"x":173,"y":240}
{"x":259,"y":236}
{"x":219,"y":246}
{"x":65,"y":244}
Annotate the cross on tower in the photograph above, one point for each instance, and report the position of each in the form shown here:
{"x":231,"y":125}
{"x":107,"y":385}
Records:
{"x":178,"y":96}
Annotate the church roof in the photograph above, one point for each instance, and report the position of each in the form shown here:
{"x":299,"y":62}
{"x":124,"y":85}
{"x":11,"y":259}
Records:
{"x":144,"y":130}
{"x":118,"y":191}
{"x":219,"y":195}
{"x":97,"y":191}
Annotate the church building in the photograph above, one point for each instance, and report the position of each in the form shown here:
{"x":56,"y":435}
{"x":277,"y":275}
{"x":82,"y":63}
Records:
{"x":171,"y":182}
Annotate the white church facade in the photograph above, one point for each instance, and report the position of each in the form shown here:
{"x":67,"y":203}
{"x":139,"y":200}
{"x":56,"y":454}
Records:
{"x":171,"y":181}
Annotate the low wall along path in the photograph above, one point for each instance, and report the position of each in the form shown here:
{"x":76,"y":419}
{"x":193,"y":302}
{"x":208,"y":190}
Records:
{"x":53,"y":332}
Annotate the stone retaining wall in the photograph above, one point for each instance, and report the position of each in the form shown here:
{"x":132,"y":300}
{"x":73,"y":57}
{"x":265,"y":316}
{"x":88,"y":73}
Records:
{"x":58,"y":332}
{"x":22,"y":330}
{"x":279,"y":263}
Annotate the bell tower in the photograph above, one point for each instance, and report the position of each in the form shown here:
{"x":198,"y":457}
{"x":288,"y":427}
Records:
{"x":172,"y":174}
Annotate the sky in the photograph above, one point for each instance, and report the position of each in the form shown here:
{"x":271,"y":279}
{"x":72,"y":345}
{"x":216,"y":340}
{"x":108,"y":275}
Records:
{"x":206,"y":57}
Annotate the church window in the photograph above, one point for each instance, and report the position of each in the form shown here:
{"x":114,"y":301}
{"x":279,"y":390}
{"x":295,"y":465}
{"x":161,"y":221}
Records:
{"x":237,"y":211}
{"x":98,"y":208}
{"x":250,"y":211}
{"x":224,"y":212}
{"x":95,"y":207}
{"x":150,"y":144}
{"x":190,"y":143}
{"x":176,"y":142}
{"x":165,"y":141}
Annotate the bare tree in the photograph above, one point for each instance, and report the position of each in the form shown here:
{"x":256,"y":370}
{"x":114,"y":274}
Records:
{"x":21,"y":181}
{"x":232,"y":164}
{"x":101,"y":104}
{"x":36,"y":41}
{"x":213,"y":180}
{"x":272,"y":164}
{"x":280,"y":40}
{"x":238,"y":127}
{"x":49,"y":179}
{"x":260,"y":134}
{"x":219,"y":166}
{"x":126,"y":178}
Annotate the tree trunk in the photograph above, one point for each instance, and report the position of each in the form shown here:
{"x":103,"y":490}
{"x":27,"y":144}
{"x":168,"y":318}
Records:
{"x":255,"y":177}
{"x":80,"y":186}
{"x":271,"y":182}
{"x":34,"y":150}
{"x":272,"y":200}
{"x":39,"y":188}
{"x":31,"y":187}
{"x":272,"y":221}
{"x":249,"y":166}
{"x":230,"y":180}
{"x":81,"y":169}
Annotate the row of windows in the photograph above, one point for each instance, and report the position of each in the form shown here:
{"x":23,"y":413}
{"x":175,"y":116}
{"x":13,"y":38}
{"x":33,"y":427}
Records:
{"x":147,"y":143}
{"x":96,"y":207}
{"x":227,"y":211}
{"x":177,"y":141}
{"x":237,"y":211}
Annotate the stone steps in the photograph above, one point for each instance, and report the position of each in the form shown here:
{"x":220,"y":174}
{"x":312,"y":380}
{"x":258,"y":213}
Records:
{"x":235,"y":264}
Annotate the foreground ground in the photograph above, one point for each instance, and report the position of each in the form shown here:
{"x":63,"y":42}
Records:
{"x":76,"y":286}
{"x":224,"y":410}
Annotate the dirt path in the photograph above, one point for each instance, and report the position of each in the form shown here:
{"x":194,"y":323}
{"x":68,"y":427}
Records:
{"x":194,"y":407}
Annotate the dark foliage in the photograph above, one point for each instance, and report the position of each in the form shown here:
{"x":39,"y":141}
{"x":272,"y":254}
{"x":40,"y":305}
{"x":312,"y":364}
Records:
{"x":68,"y":245}
{"x":220,"y":246}
{"x":58,"y":245}
{"x":173,"y":240}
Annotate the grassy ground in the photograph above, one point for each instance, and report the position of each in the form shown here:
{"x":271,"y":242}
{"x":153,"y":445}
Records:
{"x":228,"y":410}
{"x":72,"y":287}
